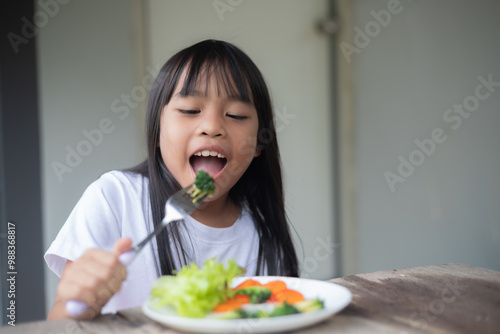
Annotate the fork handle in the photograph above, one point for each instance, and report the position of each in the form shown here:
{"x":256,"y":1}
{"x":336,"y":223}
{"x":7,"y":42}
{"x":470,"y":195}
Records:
{"x":127,"y":257}
{"x":76,"y":307}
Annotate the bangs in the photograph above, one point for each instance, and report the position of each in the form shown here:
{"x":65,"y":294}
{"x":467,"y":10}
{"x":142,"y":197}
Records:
{"x":208,"y":60}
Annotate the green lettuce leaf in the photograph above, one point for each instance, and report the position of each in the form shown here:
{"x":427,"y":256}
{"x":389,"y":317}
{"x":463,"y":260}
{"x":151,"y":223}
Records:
{"x":193,"y":292}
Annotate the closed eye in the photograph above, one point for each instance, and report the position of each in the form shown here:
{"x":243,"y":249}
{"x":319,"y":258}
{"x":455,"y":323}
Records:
{"x":189,"y":112}
{"x":237,"y":117}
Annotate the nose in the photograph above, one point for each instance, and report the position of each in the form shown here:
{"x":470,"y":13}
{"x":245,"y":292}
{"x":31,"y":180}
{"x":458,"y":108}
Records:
{"x":212,"y":125}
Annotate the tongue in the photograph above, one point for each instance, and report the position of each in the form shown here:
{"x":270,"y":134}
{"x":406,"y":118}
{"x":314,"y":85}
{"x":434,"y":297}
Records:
{"x":211,"y":165}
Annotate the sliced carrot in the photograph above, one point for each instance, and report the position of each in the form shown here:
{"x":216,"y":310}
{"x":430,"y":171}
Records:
{"x":289,"y":296}
{"x":276,"y":286}
{"x":232,"y":303}
{"x":227,"y":306}
{"x":241,"y":298}
{"x":247,"y":283}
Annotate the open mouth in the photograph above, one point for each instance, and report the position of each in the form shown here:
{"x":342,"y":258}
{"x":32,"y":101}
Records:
{"x":211,"y":162}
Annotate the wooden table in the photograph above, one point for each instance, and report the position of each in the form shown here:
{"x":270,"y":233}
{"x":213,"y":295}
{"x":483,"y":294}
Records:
{"x":450,"y":298}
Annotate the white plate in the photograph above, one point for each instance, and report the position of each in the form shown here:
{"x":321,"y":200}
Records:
{"x":334,"y":296}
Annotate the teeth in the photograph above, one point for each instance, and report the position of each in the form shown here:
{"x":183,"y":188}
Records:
{"x":207,"y":153}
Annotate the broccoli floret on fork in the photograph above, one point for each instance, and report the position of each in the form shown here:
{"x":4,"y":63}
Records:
{"x":204,"y":185}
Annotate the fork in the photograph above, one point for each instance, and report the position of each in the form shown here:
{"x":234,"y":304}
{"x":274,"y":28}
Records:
{"x":178,"y":206}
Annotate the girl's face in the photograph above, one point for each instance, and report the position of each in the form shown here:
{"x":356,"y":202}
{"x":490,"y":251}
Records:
{"x":208,"y":130}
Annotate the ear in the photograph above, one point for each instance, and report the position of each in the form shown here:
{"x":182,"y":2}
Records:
{"x":258,"y":150}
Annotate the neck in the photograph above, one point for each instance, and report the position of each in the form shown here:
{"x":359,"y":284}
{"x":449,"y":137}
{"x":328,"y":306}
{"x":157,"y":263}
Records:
{"x":221,"y":212}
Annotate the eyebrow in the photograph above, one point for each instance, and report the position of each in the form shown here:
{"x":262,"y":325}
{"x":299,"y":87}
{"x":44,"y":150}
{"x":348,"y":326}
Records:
{"x":197,"y":93}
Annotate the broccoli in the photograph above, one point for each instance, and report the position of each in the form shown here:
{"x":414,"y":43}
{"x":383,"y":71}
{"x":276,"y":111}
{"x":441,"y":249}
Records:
{"x":204,"y":185}
{"x":235,"y":314}
{"x":279,"y":310}
{"x":309,"y":305}
{"x":258,"y":294}
{"x":284,"y":309}
{"x":241,"y":314}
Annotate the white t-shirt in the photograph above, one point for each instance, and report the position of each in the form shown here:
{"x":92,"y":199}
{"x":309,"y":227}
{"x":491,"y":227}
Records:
{"x":117,"y":205}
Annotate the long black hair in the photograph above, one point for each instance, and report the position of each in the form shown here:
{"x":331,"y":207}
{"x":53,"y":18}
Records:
{"x":260,"y":188}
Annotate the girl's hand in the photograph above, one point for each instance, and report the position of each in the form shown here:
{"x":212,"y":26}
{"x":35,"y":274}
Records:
{"x":93,"y":279}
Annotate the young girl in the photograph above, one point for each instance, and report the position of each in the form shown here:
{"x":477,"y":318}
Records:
{"x":209,"y":109}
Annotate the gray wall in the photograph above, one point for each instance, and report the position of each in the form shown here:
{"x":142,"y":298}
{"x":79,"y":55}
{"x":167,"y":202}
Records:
{"x":87,"y":68}
{"x":406,"y":79}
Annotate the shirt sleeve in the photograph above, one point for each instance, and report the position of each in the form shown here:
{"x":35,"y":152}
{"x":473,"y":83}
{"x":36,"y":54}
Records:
{"x":93,"y":223}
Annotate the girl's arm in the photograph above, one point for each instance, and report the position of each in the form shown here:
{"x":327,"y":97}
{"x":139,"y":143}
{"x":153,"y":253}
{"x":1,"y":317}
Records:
{"x":93,"y":278}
